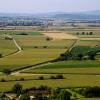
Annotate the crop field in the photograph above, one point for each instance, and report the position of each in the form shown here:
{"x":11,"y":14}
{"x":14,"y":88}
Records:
{"x":29,"y":57}
{"x":40,"y":42}
{"x":89,"y":43}
{"x":74,"y":31}
{"x":35,"y":49}
{"x":74,"y":71}
{"x":61,"y":67}
{"x":69,"y":81}
{"x":7,"y":46}
{"x":19,"y":32}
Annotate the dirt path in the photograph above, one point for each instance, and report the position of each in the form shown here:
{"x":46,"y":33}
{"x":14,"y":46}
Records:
{"x":20,"y":73}
{"x":59,"y":35}
{"x":18,"y":46}
{"x":90,"y":38}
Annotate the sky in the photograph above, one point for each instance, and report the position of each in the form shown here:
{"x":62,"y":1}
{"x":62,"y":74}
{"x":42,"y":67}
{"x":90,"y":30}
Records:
{"x":42,"y":6}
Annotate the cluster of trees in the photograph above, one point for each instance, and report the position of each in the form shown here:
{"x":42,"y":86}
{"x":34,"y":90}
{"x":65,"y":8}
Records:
{"x":40,"y":93}
{"x":90,"y":56}
{"x":85,"y":33}
{"x":90,"y":92}
{"x":80,"y":56}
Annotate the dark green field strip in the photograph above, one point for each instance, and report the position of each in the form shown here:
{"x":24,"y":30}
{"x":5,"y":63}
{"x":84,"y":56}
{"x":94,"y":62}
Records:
{"x":15,"y":32}
{"x":73,"y":64}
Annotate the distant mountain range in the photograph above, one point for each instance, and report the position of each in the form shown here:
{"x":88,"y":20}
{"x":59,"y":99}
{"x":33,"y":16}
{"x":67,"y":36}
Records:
{"x":95,"y":12}
{"x":59,"y":15}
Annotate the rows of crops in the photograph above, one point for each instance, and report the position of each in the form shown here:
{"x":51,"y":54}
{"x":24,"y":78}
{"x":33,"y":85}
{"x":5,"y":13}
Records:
{"x":7,"y":46}
{"x":36,"y":49}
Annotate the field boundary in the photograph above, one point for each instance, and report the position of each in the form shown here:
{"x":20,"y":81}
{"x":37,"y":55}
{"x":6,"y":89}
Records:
{"x":17,"y":45}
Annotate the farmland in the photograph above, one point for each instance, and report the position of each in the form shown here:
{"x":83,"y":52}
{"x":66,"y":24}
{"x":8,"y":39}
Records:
{"x":7,"y":46}
{"x":38,"y":48}
{"x":35,"y":49}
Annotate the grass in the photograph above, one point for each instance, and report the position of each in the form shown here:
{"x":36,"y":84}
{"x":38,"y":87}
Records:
{"x":80,"y":50}
{"x":7,"y":47}
{"x":69,"y":81}
{"x":31,"y":55}
{"x":72,"y":64}
{"x":18,"y":32}
{"x":40,"y":41}
{"x":76,"y":71}
{"x":90,"y":43}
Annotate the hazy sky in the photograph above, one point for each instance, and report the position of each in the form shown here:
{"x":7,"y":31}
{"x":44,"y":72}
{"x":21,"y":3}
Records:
{"x":36,"y":6}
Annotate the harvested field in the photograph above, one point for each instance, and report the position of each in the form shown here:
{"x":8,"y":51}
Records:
{"x":90,"y":38}
{"x":59,"y":35}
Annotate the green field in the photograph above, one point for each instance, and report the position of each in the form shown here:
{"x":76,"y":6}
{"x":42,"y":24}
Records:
{"x":69,"y":81}
{"x":37,"y":49}
{"x":19,"y":32}
{"x":7,"y":46}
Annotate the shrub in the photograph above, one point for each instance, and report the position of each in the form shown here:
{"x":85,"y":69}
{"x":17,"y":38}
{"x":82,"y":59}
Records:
{"x":52,"y":77}
{"x":23,"y":34}
{"x":91,"y":92}
{"x":17,"y":88}
{"x":0,"y":55}
{"x":2,"y":80}
{"x":44,"y":46}
{"x":7,"y":71}
{"x":48,"y":39}
{"x":35,"y":46}
{"x":21,"y":79}
{"x":41,"y":78}
{"x":59,"y":76}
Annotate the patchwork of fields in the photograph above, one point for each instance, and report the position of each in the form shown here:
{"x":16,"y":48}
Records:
{"x":38,"y":48}
{"x":35,"y":49}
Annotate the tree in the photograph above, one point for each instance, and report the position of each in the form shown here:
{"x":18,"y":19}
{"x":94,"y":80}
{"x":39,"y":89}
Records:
{"x":52,"y":77}
{"x":41,"y":78}
{"x":48,"y":39}
{"x":77,"y":33}
{"x":21,"y":79}
{"x":63,"y":57}
{"x":80,"y":56}
{"x":0,"y":55}
{"x":65,"y":95}
{"x":7,"y":71}
{"x":92,"y":56}
{"x":2,"y":80}
{"x":83,"y":33}
{"x":17,"y":88}
{"x":59,"y":76}
{"x":87,"y":33}
{"x":91,"y":33}
{"x":90,"y":92}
